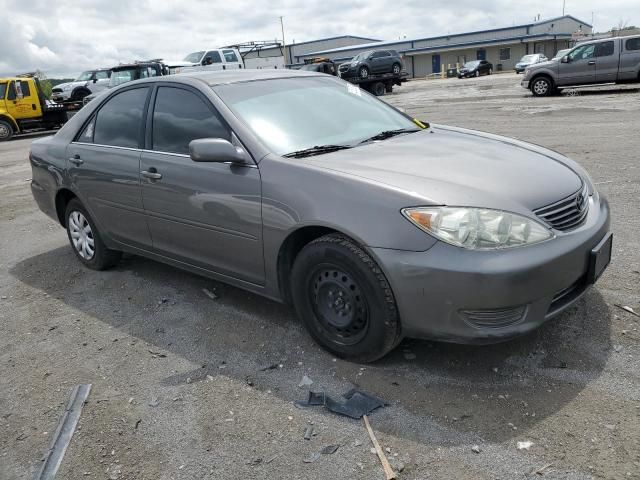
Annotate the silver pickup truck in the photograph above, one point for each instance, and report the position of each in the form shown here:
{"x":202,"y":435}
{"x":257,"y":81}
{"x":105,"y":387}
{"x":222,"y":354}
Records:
{"x":610,"y":60}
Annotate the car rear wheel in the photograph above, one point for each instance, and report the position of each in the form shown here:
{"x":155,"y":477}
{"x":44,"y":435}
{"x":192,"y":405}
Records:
{"x":344,"y":299}
{"x":396,"y":69}
{"x":85,"y":239}
{"x":541,"y":87}
{"x":491,"y":71}
{"x":363,"y":72}
{"x":477,"y":74}
{"x":6,"y":130}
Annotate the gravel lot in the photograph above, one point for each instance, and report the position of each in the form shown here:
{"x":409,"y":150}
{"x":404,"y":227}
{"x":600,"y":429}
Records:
{"x":180,"y":389}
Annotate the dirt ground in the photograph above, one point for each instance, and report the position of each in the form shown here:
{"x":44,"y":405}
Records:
{"x":182,"y":387}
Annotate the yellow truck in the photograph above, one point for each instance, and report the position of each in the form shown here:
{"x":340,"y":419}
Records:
{"x":23,"y":108}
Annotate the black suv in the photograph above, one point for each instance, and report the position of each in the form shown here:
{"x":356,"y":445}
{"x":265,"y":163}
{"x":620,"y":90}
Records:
{"x":372,"y":62}
{"x":475,"y":69}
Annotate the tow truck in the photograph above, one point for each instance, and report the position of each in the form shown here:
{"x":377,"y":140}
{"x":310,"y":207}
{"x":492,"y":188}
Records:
{"x":24,"y":108}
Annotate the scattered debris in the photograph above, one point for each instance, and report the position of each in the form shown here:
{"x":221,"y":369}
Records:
{"x":255,"y":461}
{"x":273,"y":366}
{"x":305,"y":382}
{"x":138,"y":422}
{"x":476,"y":449}
{"x":541,"y":470}
{"x":154,"y":402}
{"x":617,"y":348}
{"x":329,"y":449}
{"x":209,"y":294}
{"x":357,"y":404}
{"x":628,"y":309}
{"x":157,"y":354}
{"x":308,"y":432}
{"x":388,"y":471}
{"x":312,"y":458}
{"x":357,"y":442}
{"x":525,"y":445}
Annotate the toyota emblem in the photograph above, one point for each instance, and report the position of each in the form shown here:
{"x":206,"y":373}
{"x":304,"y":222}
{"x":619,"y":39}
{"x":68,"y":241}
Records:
{"x":579,"y":202}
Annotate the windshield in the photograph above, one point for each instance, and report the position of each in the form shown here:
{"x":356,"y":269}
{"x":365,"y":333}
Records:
{"x":84,"y":76}
{"x":361,"y":56}
{"x":193,"y":57}
{"x":294,"y":114}
{"x":122,"y":76}
{"x":473,"y":64}
{"x":528,"y":58}
{"x":3,"y":90}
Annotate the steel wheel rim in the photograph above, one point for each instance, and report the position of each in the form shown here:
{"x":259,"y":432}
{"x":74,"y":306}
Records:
{"x":339,"y":305}
{"x":364,"y":73}
{"x":541,"y":87}
{"x":81,"y":235}
{"x":396,"y":69}
{"x":4,"y":131}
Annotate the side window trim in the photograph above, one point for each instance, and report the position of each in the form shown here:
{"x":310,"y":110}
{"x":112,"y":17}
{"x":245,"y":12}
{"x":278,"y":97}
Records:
{"x":148,"y":137}
{"x":94,"y":115}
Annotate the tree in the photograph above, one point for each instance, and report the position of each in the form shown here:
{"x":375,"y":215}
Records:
{"x":45,"y":85}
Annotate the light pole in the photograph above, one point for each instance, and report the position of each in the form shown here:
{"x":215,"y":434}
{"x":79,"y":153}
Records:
{"x":564,"y":3}
{"x":284,"y":44}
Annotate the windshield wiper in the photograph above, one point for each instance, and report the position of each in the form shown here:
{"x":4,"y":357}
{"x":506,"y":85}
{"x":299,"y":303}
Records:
{"x":390,"y":133}
{"x":317,"y":150}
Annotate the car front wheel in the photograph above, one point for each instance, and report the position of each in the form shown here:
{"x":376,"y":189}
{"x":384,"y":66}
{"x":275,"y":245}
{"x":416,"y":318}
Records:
{"x":541,"y":87}
{"x":85,"y":239}
{"x":344,"y":299}
{"x":396,"y":69}
{"x":477,"y":74}
{"x":6,"y":131}
{"x":363,"y":72}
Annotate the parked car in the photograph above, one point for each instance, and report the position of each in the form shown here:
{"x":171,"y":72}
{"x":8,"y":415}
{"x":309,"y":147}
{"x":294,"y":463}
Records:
{"x":372,"y":62}
{"x":610,"y":60}
{"x":561,"y":53}
{"x":128,"y":72}
{"x":372,"y":224}
{"x":91,"y":81}
{"x":529,"y":60}
{"x":475,"y":69}
{"x":214,"y":59}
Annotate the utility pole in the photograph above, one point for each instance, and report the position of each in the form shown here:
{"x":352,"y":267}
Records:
{"x":564,"y":4}
{"x":284,"y":44}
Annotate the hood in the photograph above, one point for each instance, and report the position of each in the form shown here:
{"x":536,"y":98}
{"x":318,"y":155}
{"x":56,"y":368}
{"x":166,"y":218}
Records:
{"x":71,"y":84}
{"x":548,"y":63}
{"x":450,"y":166}
{"x":178,"y":63}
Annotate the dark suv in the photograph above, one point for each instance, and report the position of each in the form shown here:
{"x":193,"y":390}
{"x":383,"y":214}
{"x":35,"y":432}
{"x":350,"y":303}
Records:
{"x":372,"y":62}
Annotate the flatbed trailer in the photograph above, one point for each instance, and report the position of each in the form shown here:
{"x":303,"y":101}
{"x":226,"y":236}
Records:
{"x":379,"y":84}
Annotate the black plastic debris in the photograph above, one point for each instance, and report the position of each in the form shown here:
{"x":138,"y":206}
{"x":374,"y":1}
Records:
{"x":357,"y":403}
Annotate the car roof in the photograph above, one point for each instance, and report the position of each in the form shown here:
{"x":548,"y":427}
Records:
{"x":221,"y":77}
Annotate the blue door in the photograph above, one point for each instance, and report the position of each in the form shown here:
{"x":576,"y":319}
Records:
{"x":482,"y":54}
{"x":435,"y":63}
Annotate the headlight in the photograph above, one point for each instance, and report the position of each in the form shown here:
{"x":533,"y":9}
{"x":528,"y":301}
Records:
{"x":66,"y":88}
{"x":477,"y":228}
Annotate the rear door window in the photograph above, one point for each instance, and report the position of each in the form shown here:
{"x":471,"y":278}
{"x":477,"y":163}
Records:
{"x":230,"y":56}
{"x":180,"y":116}
{"x":119,"y":121}
{"x":604,"y":49}
{"x":633,"y":44}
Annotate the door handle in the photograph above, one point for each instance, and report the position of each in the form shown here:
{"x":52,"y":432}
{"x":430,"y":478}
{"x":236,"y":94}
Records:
{"x":151,"y":174}
{"x":76,"y":160}
{"x":591,"y":62}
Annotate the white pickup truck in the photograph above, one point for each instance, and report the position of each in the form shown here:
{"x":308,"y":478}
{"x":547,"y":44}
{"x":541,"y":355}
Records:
{"x":214,"y":59}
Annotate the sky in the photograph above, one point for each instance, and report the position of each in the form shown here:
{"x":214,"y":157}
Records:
{"x":64,"y":37}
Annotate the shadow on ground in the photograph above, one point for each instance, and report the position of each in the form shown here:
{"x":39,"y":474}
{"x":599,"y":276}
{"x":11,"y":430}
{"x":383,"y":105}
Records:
{"x":492,"y":392}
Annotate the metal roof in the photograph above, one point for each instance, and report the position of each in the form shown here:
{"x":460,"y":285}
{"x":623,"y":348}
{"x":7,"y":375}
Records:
{"x":389,"y":43}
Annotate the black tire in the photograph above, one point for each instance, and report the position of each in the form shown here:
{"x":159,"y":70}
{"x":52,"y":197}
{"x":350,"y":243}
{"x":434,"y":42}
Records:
{"x":362,"y":324}
{"x":396,"y":69}
{"x":378,"y":89}
{"x":102,"y":258}
{"x":542,"y":87}
{"x":363,"y":72}
{"x":388,"y":88}
{"x":477,"y":74}
{"x":78,"y":95}
{"x":6,"y":131}
{"x":491,"y":71}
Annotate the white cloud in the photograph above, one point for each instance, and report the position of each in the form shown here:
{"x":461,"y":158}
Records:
{"x":64,"y":37}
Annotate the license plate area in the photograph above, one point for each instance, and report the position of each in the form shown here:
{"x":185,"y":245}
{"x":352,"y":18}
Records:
{"x":600,"y":258}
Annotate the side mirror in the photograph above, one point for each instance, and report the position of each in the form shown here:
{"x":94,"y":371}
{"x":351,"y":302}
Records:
{"x":95,"y":80}
{"x":216,"y":150}
{"x":566,"y":59}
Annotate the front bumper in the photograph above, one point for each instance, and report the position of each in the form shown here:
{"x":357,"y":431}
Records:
{"x":525,"y":84}
{"x":61,"y":96}
{"x":521,"y":287}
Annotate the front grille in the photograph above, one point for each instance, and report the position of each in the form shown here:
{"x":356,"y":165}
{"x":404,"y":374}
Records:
{"x":494,"y":318}
{"x":566,"y":296}
{"x":56,"y":90}
{"x":568,"y":213}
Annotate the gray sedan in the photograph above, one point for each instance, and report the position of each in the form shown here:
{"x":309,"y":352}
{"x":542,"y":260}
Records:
{"x":307,"y":190}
